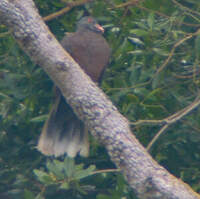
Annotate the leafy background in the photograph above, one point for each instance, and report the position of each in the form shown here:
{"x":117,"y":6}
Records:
{"x":141,"y":82}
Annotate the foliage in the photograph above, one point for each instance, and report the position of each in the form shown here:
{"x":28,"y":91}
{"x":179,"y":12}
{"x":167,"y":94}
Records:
{"x":153,"y":73}
{"x":64,"y":175}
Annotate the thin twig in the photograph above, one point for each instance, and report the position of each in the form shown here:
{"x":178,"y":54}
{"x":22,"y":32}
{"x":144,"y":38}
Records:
{"x":136,"y":4}
{"x":132,"y":2}
{"x":105,"y":171}
{"x":166,"y":16}
{"x":177,"y":116}
{"x":173,"y":50}
{"x":185,"y":8}
{"x":66,"y":9}
{"x":157,"y":136}
{"x":148,"y":122}
{"x":173,"y":118}
{"x":3,"y":34}
{"x":169,"y":120}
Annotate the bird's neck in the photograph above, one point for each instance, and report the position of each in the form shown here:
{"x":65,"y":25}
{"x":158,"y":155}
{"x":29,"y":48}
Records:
{"x":86,"y":30}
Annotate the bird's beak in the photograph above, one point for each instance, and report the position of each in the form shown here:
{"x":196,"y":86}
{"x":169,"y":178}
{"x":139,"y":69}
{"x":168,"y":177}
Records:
{"x":99,"y":28}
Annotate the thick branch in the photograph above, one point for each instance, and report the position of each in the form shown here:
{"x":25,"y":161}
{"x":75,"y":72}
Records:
{"x":145,"y":176}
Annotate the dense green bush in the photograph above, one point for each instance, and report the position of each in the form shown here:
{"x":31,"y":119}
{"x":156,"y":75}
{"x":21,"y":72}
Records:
{"x":153,"y":74}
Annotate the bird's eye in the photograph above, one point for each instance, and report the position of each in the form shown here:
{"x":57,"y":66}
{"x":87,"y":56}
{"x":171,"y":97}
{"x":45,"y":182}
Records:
{"x":90,"y":20}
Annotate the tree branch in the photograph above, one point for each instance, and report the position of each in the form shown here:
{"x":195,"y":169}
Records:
{"x":144,"y":175}
{"x":66,"y":9}
{"x":169,"y":120}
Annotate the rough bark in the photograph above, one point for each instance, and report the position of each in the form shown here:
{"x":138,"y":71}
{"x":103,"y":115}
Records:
{"x":144,"y":175}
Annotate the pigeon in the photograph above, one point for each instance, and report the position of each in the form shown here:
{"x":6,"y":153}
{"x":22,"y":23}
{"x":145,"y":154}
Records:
{"x":63,"y":132}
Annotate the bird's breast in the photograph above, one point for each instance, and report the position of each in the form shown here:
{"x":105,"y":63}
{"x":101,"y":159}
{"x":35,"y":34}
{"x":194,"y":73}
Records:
{"x":92,"y":53}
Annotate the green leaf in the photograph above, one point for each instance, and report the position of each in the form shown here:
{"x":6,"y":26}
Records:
{"x":28,"y":194}
{"x":44,"y":177}
{"x":151,"y":20}
{"x":84,"y":173}
{"x":5,"y":96}
{"x":133,"y":98}
{"x":40,"y":118}
{"x":102,"y":196}
{"x":57,"y":168}
{"x":134,"y":74}
{"x":69,"y":166}
{"x":39,"y":196}
{"x":139,"y":32}
{"x":156,"y":80}
{"x":136,"y":52}
{"x":135,"y":40}
{"x":160,"y":51}
{"x":64,"y":185}
{"x":197,"y":46}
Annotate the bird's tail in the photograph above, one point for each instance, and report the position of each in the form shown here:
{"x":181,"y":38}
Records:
{"x":63,"y":132}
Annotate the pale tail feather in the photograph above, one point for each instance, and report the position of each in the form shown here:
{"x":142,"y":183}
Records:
{"x":63,"y":132}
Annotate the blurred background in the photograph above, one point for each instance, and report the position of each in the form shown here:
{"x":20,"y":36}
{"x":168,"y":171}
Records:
{"x":154,"y":73}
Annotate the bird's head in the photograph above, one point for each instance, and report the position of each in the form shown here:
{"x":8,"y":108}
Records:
{"x":89,"y":23}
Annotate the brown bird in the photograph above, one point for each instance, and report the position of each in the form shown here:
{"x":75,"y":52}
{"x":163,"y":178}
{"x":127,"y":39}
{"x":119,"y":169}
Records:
{"x":63,"y":132}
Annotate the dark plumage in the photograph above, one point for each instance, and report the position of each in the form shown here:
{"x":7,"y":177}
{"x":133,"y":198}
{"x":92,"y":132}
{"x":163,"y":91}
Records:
{"x":63,"y":132}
